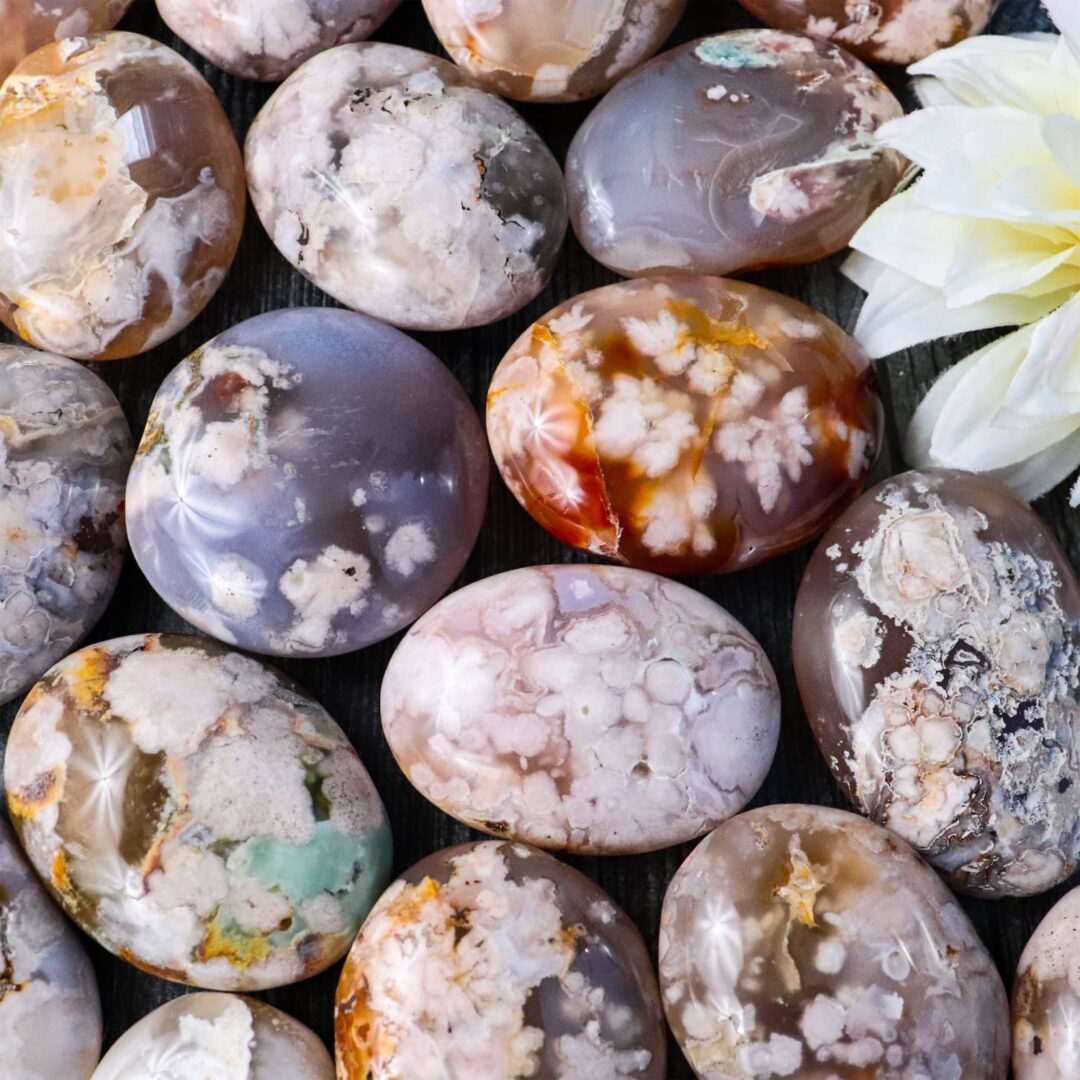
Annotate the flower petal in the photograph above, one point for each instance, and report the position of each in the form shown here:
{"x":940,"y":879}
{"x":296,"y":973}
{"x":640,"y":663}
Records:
{"x":1047,"y":384}
{"x":1062,"y":136}
{"x":1066,"y":16}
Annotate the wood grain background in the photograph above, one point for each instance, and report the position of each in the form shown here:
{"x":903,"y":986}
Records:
{"x":348,"y":686}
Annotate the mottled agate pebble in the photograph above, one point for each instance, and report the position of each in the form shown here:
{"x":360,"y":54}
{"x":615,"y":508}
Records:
{"x":195,"y":812}
{"x":50,"y":1015}
{"x":805,"y":942}
{"x":308,"y":483}
{"x":936,"y":652}
{"x":562,"y":51}
{"x":270,"y":39}
{"x":494,"y":961}
{"x":217,"y":1037}
{"x":29,"y":24}
{"x":404,"y":191}
{"x":65,"y":448}
{"x":587,"y":708}
{"x":684,"y":425}
{"x":747,"y":149}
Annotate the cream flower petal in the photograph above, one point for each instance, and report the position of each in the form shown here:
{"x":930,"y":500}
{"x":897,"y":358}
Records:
{"x":1047,"y":383}
{"x":1066,"y":16}
{"x":1062,"y":136}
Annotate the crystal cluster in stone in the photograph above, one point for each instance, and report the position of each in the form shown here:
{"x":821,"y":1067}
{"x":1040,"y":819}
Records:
{"x":65,"y":448}
{"x":803,"y":941}
{"x":121,"y":194}
{"x":404,"y":191}
{"x":587,"y":708}
{"x":684,"y":425}
{"x":936,"y":651}
{"x":308,"y":483}
{"x":562,"y":51}
{"x":748,"y":149}
{"x":496,"y":960}
{"x":196,"y":813}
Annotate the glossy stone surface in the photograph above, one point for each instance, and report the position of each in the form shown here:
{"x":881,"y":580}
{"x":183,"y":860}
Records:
{"x":29,"y":24}
{"x":747,"y":149}
{"x":802,"y":941}
{"x":684,"y":425}
{"x":936,"y":651}
{"x":65,"y":448}
{"x":585,"y":708}
{"x":195,"y":812}
{"x":270,"y":39}
{"x":217,"y":1037}
{"x":308,"y":483}
{"x":493,"y":961}
{"x":50,"y":1015}
{"x":404,"y":191}
{"x":561,"y":50}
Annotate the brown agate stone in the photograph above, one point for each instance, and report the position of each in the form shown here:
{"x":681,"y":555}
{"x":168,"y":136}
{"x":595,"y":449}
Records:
{"x":26,"y":25}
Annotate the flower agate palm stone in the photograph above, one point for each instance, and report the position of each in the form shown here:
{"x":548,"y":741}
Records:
{"x":308,"y":483}
{"x":404,"y":191}
{"x":562,"y":50}
{"x":493,"y":961}
{"x":586,"y":708}
{"x":684,"y":425}
{"x":65,"y":448}
{"x":50,"y":1015}
{"x":936,"y":652}
{"x":748,"y":149}
{"x":196,"y":813}
{"x":803,"y":941}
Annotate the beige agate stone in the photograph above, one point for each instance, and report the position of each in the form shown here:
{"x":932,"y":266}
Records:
{"x":806,"y":942}
{"x":121,"y":193}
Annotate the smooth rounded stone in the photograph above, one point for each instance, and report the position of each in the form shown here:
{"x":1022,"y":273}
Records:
{"x":271,"y":39}
{"x":593,"y":709}
{"x":803,"y":941}
{"x":196,"y":813}
{"x":401,"y":189}
{"x":65,"y":448}
{"x":564,"y":50}
{"x":50,"y":1015}
{"x":684,"y":425}
{"x":734,"y":152}
{"x":308,"y":483}
{"x":217,"y":1037}
{"x":121,"y":193}
{"x":936,"y":652}
{"x":491,"y":961}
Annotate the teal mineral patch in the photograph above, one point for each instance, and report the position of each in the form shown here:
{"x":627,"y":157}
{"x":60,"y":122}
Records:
{"x":734,"y":53}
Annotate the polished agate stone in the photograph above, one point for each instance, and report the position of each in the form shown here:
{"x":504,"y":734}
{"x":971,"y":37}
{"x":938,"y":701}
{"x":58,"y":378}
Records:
{"x":29,"y":24}
{"x":50,"y":1015}
{"x":308,"y":483}
{"x":121,"y":194}
{"x":747,"y":149}
{"x":65,"y":448}
{"x":936,"y":651}
{"x":493,"y":960}
{"x":217,"y":1037}
{"x":270,"y":39}
{"x":564,"y":50}
{"x":196,"y":812}
{"x":684,"y":425}
{"x":402,"y":190}
{"x":586,"y":708}
{"x":803,"y":941}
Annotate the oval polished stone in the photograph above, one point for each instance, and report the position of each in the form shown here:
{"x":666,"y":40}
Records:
{"x":684,"y":425}
{"x":402,"y":190}
{"x":494,"y":960}
{"x":196,"y":812}
{"x":65,"y":448}
{"x":122,"y":194}
{"x":564,"y":50}
{"x":744,"y":150}
{"x":803,"y":941}
{"x":936,"y":652}
{"x":308,"y":483}
{"x":50,"y":1015}
{"x":585,"y":708}
{"x":29,"y":24}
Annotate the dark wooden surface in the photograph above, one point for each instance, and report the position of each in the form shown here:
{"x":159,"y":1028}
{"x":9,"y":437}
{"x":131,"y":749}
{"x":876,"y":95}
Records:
{"x":348,"y":686}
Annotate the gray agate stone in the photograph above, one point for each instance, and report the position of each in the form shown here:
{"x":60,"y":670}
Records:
{"x":308,"y":483}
